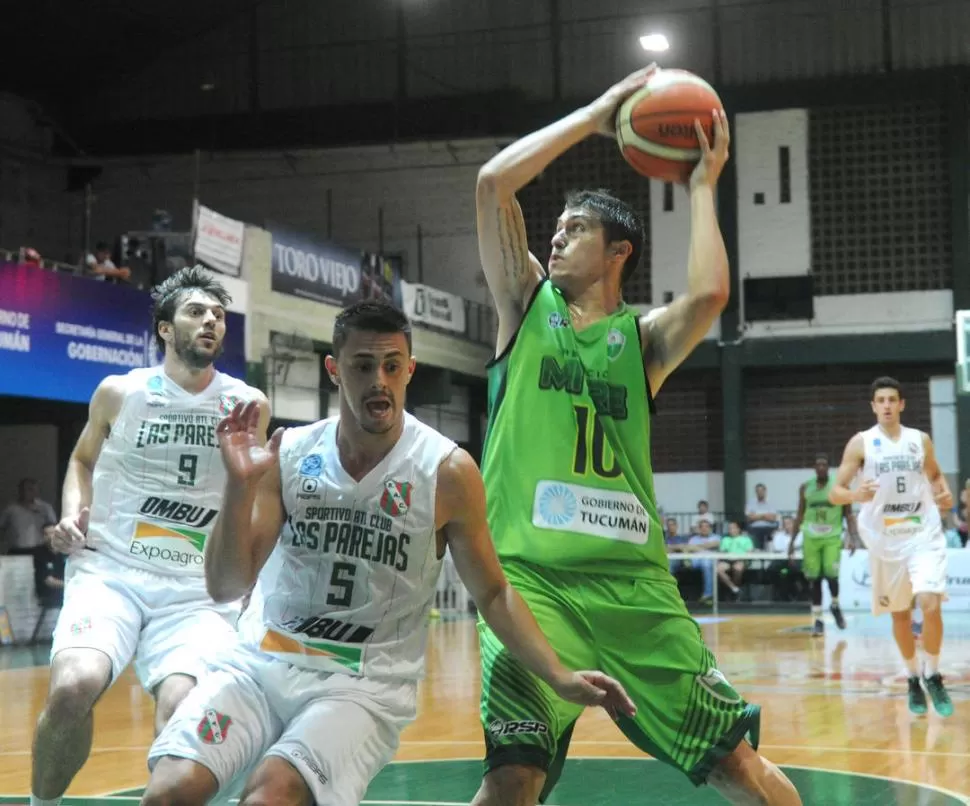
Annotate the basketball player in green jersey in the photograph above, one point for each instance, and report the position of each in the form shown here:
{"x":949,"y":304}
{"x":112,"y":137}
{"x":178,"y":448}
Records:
{"x":821,"y":525}
{"x":570,"y":487}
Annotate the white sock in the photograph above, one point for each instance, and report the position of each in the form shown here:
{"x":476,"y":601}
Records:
{"x":816,"y":612}
{"x":931,"y":665}
{"x":912,"y":666}
{"x":835,"y":601}
{"x":35,"y":801}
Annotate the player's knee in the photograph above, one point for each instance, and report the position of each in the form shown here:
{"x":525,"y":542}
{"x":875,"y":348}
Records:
{"x":78,"y":678}
{"x":179,"y":782}
{"x":903,"y":617}
{"x":929,"y":603}
{"x":511,"y":785}
{"x":276,"y":782}
{"x":744,"y":776}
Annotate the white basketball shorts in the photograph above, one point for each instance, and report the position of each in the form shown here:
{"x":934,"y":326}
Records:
{"x":169,"y":624}
{"x":337,"y":731}
{"x":896,"y":580}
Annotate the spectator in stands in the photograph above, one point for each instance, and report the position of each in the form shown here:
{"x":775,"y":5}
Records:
{"x":702,"y":515}
{"x":731,"y":572}
{"x":23,"y":522}
{"x":673,"y":541}
{"x":705,"y":540}
{"x":786,"y":574}
{"x":762,"y":517}
{"x":99,"y":263}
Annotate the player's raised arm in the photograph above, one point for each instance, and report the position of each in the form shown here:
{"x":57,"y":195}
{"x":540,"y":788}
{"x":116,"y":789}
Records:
{"x":252,"y":512}
{"x":853,"y":458}
{"x":69,"y":534}
{"x":672,"y":335}
{"x":511,"y":271}
{"x":941,"y":489}
{"x":461,"y":494}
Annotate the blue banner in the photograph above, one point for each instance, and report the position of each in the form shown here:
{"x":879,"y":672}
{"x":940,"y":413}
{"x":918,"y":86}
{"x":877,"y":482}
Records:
{"x":60,"y":335}
{"x":328,"y":273}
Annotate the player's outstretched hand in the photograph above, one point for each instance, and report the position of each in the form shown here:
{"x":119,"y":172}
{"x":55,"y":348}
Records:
{"x":605,"y":107}
{"x":245,"y":457}
{"x":71,"y":534}
{"x":713,"y":155}
{"x":595,"y":688}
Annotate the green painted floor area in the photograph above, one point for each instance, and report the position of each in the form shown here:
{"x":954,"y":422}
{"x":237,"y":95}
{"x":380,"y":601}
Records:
{"x":608,"y":782}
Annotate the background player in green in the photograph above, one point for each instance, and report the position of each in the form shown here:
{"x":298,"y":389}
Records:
{"x":821,"y":525}
{"x":570,"y":488}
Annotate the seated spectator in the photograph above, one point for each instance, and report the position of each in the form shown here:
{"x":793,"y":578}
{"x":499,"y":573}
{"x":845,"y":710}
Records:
{"x":673,"y":541}
{"x":100,"y":264}
{"x":704,"y":540}
{"x":951,"y":531}
{"x":702,"y":515}
{"x":762,"y":517}
{"x":731,"y":573}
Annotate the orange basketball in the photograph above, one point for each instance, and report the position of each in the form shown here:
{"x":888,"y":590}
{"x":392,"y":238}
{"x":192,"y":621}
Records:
{"x":655,"y":125}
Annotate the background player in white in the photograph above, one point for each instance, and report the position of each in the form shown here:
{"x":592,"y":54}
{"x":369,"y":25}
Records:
{"x":358,"y":510}
{"x":143,"y":487}
{"x":902,"y":493}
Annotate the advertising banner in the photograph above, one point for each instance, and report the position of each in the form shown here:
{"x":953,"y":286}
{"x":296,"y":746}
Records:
{"x":219,"y":241}
{"x":422,"y":303}
{"x":60,"y":335}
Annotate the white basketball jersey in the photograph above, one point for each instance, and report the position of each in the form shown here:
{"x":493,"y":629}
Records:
{"x":903,"y":512}
{"x":158,"y":482}
{"x":349,"y":586}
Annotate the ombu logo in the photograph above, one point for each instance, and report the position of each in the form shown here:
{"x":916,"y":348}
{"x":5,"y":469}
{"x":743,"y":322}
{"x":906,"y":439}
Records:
{"x":213,"y":727}
{"x":168,"y":545}
{"x":396,"y":498}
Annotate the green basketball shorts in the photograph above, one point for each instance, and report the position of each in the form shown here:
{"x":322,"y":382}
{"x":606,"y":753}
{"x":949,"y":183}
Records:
{"x":820,"y":557}
{"x":638,"y":632}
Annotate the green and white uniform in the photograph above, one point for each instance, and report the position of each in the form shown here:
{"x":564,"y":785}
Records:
{"x":573,"y":515}
{"x":822,"y":531}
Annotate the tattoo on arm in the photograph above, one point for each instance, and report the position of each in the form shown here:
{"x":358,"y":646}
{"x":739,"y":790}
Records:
{"x":515,"y":254}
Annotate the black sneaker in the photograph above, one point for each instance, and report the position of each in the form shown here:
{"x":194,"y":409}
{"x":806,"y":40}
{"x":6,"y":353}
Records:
{"x":941,"y":700}
{"x":819,"y":628}
{"x":837,"y":615}
{"x":917,"y":699}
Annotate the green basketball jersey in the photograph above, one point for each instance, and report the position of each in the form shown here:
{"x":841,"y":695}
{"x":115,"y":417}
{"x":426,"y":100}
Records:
{"x":566,"y":460}
{"x":822,"y":518}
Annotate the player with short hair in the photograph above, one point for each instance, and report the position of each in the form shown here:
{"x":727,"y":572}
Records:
{"x":142,"y":492}
{"x":902,"y":493}
{"x":820,"y":522}
{"x":569,"y":480}
{"x":357,"y":511}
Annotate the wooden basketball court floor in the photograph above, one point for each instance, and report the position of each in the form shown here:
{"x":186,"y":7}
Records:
{"x":834,"y":716}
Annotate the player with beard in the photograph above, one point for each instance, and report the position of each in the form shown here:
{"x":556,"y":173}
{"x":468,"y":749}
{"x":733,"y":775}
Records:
{"x":142,"y":492}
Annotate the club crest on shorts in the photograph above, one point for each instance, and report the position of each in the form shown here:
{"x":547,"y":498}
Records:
{"x":213,"y":727}
{"x":396,"y":498}
{"x":716,"y":684}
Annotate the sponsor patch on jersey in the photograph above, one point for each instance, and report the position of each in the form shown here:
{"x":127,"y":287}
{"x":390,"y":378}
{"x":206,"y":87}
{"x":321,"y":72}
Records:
{"x":168,"y":546}
{"x":523,"y":727}
{"x":556,"y":319}
{"x":156,"y":397}
{"x":615,"y":342}
{"x":311,"y":465}
{"x":396,"y":498}
{"x":913,"y":447}
{"x":587,"y":510}
{"x":213,"y":728}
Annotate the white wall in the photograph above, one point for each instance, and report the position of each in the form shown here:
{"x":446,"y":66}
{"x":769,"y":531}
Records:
{"x":866,"y":313}
{"x":293,"y":381}
{"x":451,"y":418}
{"x":943,"y":423}
{"x":774,"y":239}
